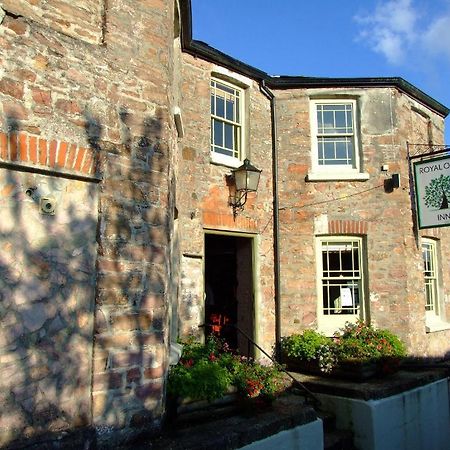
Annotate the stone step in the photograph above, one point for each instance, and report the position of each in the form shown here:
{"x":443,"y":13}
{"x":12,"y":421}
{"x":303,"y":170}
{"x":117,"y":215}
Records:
{"x":338,"y":440}
{"x":328,"y":419}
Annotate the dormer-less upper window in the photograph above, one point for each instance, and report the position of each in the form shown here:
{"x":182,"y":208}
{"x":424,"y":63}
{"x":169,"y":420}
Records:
{"x":336,"y":135}
{"x":335,"y":146}
{"x":226,"y":122}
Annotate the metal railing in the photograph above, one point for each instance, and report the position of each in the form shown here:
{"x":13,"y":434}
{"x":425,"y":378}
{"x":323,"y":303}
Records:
{"x":309,"y":395}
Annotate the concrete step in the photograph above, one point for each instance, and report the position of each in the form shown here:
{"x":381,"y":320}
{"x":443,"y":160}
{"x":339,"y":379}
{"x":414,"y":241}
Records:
{"x":338,"y":440}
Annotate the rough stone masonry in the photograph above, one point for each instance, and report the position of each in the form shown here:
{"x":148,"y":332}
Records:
{"x":84,"y":121}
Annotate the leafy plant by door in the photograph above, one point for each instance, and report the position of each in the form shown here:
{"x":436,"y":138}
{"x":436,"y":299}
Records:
{"x":209,"y":371}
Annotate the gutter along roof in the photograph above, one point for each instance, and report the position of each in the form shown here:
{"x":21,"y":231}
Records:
{"x":202,"y":50}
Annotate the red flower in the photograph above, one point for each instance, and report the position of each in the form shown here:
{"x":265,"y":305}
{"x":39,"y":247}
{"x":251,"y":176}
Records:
{"x":188,"y":363}
{"x":212,"y":357}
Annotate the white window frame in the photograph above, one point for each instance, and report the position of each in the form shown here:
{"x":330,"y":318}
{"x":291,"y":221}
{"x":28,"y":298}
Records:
{"x":348,"y":281}
{"x":339,"y":171}
{"x":434,"y":317}
{"x":216,"y":157}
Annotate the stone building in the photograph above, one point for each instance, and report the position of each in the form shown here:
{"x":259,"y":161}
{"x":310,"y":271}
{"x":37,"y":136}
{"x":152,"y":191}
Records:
{"x":329,"y":150}
{"x":118,"y":138}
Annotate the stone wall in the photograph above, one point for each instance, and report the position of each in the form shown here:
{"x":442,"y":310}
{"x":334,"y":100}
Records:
{"x":204,"y":193}
{"x":395,"y":284}
{"x":47,"y":286}
{"x":99,"y":115}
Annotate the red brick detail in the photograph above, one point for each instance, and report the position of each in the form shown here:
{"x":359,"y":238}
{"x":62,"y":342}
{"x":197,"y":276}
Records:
{"x":227,"y":221}
{"x":62,"y":152}
{"x":52,"y":153}
{"x":86,"y":168}
{"x":348,"y":227}
{"x":71,"y":156}
{"x":35,"y":151}
{"x":23,"y":147}
{"x":3,"y":146}
{"x":13,"y":147}
{"x":79,"y":160}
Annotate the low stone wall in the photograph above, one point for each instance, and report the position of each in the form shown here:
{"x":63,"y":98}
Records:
{"x":416,"y":419}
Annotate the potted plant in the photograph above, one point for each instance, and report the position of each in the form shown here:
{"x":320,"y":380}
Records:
{"x":361,"y":344}
{"x":358,"y":351}
{"x":210,"y":371}
{"x":309,"y":351}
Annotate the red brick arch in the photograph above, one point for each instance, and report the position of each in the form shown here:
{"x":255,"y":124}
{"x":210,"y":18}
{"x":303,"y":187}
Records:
{"x":348,"y":227}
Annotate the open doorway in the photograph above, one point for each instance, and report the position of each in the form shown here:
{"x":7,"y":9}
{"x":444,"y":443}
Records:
{"x":229,"y":299}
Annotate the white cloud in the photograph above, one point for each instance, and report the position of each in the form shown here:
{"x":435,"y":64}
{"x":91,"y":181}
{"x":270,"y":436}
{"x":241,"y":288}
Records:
{"x":400,"y":32}
{"x":390,"y":29}
{"x":436,"y":40}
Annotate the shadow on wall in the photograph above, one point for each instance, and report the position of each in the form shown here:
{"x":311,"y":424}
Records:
{"x":52,"y":308}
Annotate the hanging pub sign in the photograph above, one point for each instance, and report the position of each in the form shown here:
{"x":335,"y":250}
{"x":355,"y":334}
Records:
{"x":432,"y":188}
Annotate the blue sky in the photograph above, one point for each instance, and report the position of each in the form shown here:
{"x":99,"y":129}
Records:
{"x":330,"y":38}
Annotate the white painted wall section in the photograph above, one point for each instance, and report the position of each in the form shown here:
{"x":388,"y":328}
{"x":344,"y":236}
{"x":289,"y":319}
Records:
{"x":417,"y":419}
{"x":304,"y":437}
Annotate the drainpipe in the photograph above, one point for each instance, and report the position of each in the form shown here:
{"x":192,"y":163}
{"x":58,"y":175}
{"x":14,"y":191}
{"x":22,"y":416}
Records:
{"x":276,"y":223}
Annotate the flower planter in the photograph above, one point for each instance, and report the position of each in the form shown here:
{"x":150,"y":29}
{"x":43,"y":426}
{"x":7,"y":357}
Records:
{"x":348,"y":370}
{"x":199,"y":410}
{"x":253,"y":405}
{"x":355,"y":370}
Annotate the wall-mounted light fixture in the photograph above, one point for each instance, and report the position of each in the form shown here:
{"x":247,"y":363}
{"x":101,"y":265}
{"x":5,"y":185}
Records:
{"x":246,"y":179}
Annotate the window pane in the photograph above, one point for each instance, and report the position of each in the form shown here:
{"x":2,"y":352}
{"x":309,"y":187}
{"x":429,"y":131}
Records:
{"x":218,"y":133}
{"x":220,"y":106}
{"x":342,"y":150}
{"x":335,"y":151}
{"x":228,"y":136}
{"x":229,"y":110}
{"x":223,"y":151}
{"x":341,"y":120}
{"x":237,"y":142}
{"x":335,"y":119}
{"x":329,"y":150}
{"x":225,"y":88}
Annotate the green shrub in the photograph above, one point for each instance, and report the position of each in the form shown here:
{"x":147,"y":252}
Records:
{"x":205,"y":380}
{"x":363,"y":342}
{"x":355,"y":342}
{"x":208,"y":371}
{"x":310,"y":345}
{"x":304,"y":345}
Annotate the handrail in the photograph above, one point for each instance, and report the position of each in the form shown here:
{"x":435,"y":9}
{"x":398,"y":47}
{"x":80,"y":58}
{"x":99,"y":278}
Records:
{"x":307,"y":392}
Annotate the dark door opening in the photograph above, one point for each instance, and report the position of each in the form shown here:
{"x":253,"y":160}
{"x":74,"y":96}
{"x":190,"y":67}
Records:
{"x":229,"y":305}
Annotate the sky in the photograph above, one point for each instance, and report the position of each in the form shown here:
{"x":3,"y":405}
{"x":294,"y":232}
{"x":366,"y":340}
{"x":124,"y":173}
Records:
{"x":335,"y":38}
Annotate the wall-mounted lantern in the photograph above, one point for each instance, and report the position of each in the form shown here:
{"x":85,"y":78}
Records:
{"x":246,"y":179}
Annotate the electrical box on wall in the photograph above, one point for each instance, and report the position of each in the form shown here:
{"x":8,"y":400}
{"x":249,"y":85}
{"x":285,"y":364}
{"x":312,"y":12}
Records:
{"x":395,"y":180}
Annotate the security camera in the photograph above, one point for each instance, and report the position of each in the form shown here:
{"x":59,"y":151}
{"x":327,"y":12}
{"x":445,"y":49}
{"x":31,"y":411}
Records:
{"x":47,"y":206}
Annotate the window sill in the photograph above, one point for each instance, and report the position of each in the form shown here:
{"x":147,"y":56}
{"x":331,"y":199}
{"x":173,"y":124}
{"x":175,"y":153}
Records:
{"x":437,"y":324}
{"x":338,"y":176}
{"x":227,"y":161}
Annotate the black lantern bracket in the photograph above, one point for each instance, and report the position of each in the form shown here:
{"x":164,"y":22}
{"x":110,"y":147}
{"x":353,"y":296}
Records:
{"x":245,"y":179}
